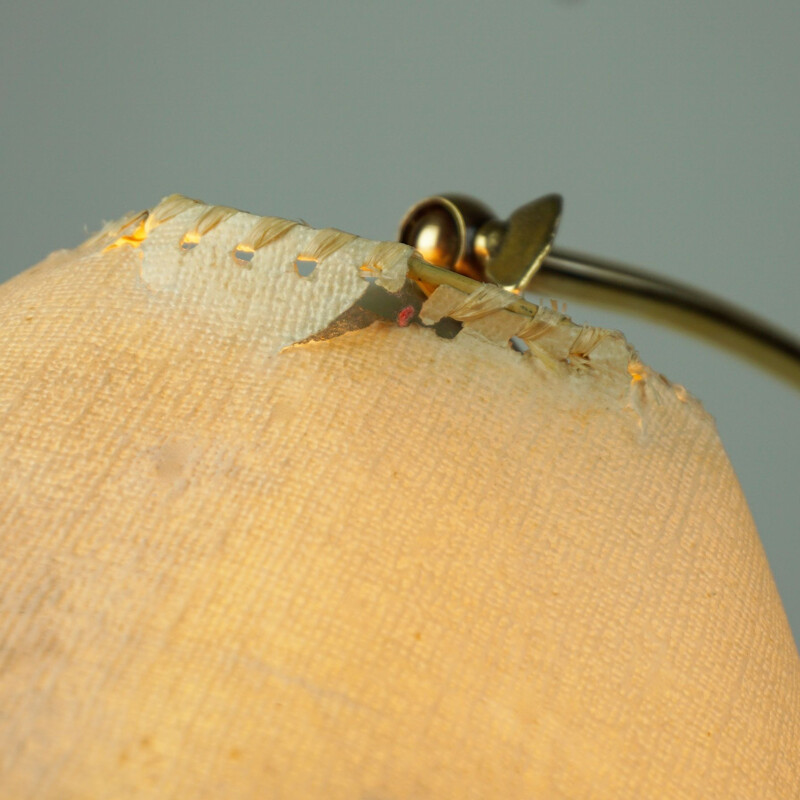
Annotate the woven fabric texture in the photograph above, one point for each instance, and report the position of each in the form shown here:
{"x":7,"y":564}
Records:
{"x":383,"y":566}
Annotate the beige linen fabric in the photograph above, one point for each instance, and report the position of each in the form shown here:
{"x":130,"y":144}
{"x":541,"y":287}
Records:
{"x":383,"y":566}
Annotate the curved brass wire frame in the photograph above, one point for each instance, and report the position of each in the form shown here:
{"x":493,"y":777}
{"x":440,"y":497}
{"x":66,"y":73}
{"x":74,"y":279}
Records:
{"x":614,"y":285}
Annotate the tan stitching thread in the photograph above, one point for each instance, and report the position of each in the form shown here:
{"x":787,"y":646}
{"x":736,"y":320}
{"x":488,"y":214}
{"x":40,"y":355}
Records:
{"x":325,"y":243}
{"x":266,"y":231}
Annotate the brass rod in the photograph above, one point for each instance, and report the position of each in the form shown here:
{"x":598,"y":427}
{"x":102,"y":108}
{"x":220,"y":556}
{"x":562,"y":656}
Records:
{"x":438,"y":276}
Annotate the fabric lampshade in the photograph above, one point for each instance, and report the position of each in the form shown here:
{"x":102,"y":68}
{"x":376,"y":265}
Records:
{"x":251,"y":547}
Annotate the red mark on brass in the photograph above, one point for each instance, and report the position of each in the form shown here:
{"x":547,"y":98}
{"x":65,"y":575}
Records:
{"x":405,"y":316}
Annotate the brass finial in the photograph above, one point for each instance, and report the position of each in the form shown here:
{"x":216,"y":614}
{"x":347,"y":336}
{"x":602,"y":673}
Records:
{"x":461,"y":234}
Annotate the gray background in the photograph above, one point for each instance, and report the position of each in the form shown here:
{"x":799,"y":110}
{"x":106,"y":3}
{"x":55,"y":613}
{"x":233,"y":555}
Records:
{"x":671,"y":129}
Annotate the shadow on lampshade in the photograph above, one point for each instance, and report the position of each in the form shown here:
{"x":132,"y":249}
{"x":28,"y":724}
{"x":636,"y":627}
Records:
{"x":254,"y":546}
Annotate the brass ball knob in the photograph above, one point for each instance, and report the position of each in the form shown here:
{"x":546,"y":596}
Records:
{"x":489,"y":239}
{"x":443,"y":229}
{"x":434,"y":233}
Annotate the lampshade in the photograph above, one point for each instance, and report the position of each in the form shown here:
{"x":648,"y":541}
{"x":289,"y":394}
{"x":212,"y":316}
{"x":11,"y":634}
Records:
{"x":256,"y":542}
